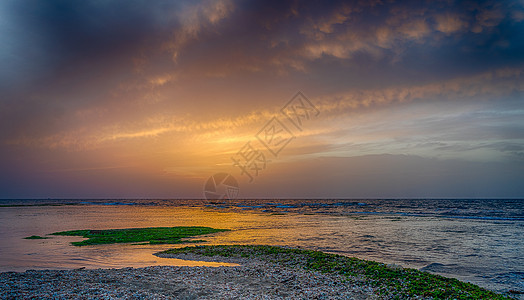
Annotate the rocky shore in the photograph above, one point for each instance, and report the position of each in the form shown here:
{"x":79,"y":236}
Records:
{"x":254,"y":280}
{"x":263,"y":272}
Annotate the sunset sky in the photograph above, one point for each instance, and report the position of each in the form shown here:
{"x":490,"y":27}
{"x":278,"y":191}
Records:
{"x":148,"y":99}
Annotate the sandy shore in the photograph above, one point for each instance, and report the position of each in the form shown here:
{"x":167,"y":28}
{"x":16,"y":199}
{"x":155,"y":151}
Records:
{"x":252,"y":280}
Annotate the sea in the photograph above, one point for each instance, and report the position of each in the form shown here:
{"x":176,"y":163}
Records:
{"x":475,"y":240}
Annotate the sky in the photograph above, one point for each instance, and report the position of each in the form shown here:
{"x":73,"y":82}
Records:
{"x":294,"y":99}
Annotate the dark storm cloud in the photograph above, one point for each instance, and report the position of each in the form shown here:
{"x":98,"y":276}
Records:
{"x":357,"y":43}
{"x":362,"y":43}
{"x":79,"y":31}
{"x":75,"y":72}
{"x":69,"y":54}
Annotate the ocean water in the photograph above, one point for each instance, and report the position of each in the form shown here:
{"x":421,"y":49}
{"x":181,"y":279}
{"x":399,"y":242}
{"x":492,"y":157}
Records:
{"x":475,"y":240}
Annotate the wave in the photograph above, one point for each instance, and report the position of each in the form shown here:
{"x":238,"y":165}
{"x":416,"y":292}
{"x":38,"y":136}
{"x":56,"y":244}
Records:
{"x":476,"y":209}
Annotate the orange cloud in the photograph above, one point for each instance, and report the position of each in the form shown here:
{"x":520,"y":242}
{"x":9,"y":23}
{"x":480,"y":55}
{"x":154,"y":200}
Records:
{"x":450,"y":23}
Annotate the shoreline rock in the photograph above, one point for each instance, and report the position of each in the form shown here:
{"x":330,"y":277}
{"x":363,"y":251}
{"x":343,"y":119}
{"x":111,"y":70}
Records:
{"x":251,"y":281}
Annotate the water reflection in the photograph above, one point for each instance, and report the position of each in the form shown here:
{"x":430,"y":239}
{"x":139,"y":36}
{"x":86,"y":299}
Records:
{"x":470,"y":250}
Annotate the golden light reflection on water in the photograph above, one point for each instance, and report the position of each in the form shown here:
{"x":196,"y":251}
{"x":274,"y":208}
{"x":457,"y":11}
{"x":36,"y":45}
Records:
{"x":246,"y":228}
{"x":408,"y":240}
{"x":56,"y":252}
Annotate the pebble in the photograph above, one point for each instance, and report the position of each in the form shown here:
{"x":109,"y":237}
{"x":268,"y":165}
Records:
{"x":251,"y":280}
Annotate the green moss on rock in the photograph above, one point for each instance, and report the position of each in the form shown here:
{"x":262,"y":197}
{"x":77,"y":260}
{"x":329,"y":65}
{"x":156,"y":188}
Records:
{"x":152,"y":235}
{"x":389,"y":282}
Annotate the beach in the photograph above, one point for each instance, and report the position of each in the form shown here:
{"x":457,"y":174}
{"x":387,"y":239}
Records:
{"x":261,"y":272}
{"x":233,"y":149}
{"x":458,"y":246}
{"x":253,"y":281}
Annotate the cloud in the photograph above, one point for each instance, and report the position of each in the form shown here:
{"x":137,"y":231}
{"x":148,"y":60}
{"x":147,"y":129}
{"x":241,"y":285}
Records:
{"x":185,"y":128}
{"x":477,"y":88}
{"x":184,"y":84}
{"x":222,"y":38}
{"x":487,"y":17}
{"x":450,"y":23}
{"x":387,"y":176}
{"x":194,"y":19}
{"x":499,"y":82}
